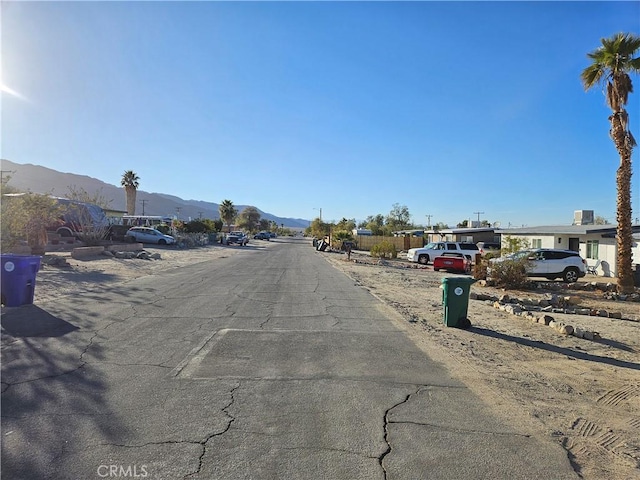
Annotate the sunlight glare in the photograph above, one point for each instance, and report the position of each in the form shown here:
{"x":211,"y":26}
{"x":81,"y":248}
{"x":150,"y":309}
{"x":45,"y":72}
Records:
{"x":10,"y":91}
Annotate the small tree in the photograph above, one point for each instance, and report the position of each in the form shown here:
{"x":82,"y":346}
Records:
{"x":27,"y":217}
{"x":249,"y":219}
{"x":79,"y":194}
{"x":399,"y":218}
{"x":319,"y":229}
{"x":513,"y":244}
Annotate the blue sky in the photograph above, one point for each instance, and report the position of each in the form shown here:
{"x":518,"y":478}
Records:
{"x":447,"y":108}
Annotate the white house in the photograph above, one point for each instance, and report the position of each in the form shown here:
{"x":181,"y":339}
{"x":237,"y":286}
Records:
{"x":594,"y":242}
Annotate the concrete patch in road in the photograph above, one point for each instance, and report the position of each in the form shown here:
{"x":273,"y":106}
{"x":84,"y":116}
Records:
{"x":311,"y":355}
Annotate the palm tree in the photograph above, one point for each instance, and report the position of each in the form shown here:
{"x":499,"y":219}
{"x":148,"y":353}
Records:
{"x":612,"y":63}
{"x":130,"y":182}
{"x":228,"y":212}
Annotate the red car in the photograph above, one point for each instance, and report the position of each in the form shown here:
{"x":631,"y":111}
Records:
{"x":452,"y":262}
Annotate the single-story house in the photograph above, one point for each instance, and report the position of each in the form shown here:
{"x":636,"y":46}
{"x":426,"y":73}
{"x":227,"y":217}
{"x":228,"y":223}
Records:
{"x":472,"y":235}
{"x":594,"y":242}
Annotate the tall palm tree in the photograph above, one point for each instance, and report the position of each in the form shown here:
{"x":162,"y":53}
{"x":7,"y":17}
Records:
{"x":228,"y":212}
{"x":130,"y":182}
{"x":612,"y":63}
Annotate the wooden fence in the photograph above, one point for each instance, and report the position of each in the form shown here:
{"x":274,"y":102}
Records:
{"x":365,"y":242}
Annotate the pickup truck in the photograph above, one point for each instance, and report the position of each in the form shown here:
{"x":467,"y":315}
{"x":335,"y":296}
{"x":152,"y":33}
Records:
{"x":238,"y":238}
{"x":433,"y":250}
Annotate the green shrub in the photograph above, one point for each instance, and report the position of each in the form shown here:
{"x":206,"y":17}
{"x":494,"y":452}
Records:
{"x":381,"y":250}
{"x":509,"y":273}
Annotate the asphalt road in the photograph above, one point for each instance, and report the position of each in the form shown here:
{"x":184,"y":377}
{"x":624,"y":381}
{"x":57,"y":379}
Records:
{"x":266,"y":364}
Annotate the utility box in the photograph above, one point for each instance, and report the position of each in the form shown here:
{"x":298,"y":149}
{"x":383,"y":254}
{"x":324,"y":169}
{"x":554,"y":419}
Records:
{"x":18,"y":279}
{"x":455,"y":301}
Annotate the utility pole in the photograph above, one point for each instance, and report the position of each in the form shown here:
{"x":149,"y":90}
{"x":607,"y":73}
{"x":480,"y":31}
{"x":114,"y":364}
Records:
{"x":200,"y":214}
{"x":178,"y":212}
{"x":143,"y":202}
{"x":478,"y":213}
{"x":428,"y":220}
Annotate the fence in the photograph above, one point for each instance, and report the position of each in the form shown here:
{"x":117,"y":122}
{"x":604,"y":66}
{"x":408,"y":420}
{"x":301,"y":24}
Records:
{"x":365,"y":242}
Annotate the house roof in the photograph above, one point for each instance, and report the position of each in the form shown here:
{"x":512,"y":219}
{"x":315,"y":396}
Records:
{"x":463,"y":230}
{"x":565,"y":230}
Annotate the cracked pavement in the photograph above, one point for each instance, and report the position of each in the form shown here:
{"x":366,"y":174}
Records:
{"x":267,"y":364}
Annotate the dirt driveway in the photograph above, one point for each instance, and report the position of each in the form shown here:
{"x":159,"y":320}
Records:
{"x":584,"y":394}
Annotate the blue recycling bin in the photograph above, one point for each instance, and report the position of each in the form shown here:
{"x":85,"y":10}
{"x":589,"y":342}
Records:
{"x":18,"y":279}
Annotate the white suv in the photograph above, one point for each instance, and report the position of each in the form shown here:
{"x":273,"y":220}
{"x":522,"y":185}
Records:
{"x":432,"y":250}
{"x":551,"y":263}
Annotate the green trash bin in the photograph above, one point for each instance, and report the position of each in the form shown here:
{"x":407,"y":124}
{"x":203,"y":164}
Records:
{"x":455,"y":300}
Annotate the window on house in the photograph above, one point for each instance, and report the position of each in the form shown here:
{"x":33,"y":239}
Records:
{"x":592,"y":249}
{"x":536,"y":243}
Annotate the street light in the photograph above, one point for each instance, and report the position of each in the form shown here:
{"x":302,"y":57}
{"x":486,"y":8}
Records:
{"x":320,"y":212}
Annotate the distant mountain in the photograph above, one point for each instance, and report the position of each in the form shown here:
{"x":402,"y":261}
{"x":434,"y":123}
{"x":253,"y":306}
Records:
{"x":38,"y":179}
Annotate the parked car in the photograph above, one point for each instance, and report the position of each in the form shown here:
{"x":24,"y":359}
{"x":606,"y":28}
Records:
{"x":148,"y":235}
{"x":262,"y":236}
{"x":550,"y":263}
{"x":435,"y":249}
{"x":452,"y":262}
{"x":487,"y":248}
{"x":236,"y":238}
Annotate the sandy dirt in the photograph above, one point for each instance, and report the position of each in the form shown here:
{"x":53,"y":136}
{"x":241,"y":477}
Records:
{"x":583,"y":394}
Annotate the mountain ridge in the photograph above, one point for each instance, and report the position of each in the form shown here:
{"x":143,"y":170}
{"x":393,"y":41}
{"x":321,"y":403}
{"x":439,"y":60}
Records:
{"x":44,"y":180}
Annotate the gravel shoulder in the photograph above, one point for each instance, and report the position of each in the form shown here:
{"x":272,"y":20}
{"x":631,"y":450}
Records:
{"x":583,"y":394}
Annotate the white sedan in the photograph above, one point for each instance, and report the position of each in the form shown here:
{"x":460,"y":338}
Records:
{"x":148,"y":235}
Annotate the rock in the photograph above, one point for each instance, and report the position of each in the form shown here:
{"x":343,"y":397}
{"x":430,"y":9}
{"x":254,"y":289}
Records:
{"x":578,"y":332}
{"x":602,"y":313}
{"x":615,"y":314}
{"x":512,"y":309}
{"x":504,"y":298}
{"x":572,"y":300}
{"x":473,"y":296}
{"x":125,"y":255}
{"x":59,"y":262}
{"x":155,"y":256}
{"x":566,"y":329}
{"x":545,"y":319}
{"x":107,"y":253}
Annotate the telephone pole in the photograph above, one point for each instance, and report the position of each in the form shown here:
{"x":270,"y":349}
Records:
{"x":478,"y":213}
{"x":143,"y":202}
{"x":428,"y":220}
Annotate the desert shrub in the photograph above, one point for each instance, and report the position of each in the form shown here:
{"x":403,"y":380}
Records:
{"x":26,"y":218}
{"x":510,"y":273}
{"x":163,"y":228}
{"x":382,"y":249}
{"x":480,"y":269}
